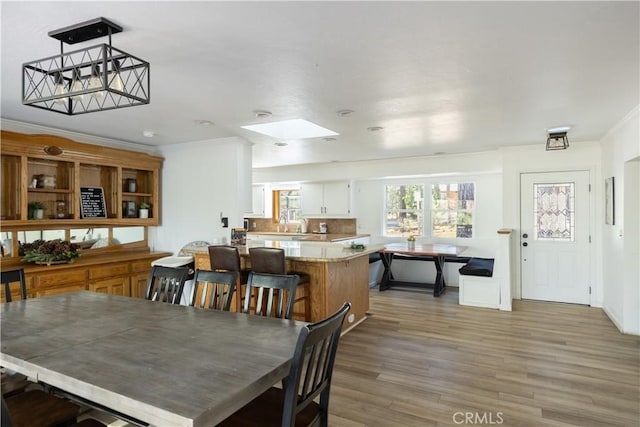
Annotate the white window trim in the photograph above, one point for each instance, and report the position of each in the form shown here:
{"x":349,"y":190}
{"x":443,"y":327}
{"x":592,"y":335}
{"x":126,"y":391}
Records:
{"x":427,"y":225}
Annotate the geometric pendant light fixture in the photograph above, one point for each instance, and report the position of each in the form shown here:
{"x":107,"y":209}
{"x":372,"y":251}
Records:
{"x":557,"y":138}
{"x":95,"y":78}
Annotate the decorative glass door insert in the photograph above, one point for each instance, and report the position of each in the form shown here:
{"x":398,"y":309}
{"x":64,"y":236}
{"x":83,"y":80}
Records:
{"x":554,"y":211}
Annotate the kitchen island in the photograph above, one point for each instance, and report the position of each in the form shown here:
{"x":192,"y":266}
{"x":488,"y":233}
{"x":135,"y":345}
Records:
{"x":337,"y":274}
{"x":310,"y":237}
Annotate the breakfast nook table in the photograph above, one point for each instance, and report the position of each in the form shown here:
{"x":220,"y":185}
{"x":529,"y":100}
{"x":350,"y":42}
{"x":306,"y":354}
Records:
{"x":423,"y":252}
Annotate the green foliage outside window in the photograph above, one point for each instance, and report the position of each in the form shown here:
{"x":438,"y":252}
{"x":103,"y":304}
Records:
{"x":452,"y":210}
{"x":404,"y":210}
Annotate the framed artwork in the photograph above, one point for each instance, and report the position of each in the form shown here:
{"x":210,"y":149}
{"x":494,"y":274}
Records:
{"x":609,"y":202}
{"x":129,"y":209}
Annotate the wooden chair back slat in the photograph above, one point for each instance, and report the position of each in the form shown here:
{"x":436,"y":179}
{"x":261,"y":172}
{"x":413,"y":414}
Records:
{"x":166,"y":284}
{"x":275,"y":294}
{"x":214,"y":289}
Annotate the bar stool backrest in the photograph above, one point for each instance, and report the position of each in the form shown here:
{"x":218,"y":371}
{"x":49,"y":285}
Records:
{"x":224,"y":258}
{"x":267,"y":260}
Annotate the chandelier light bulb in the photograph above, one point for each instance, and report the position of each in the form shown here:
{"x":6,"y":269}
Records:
{"x":95,"y":82}
{"x":59,"y":89}
{"x":76,"y":85}
{"x":115,"y":81}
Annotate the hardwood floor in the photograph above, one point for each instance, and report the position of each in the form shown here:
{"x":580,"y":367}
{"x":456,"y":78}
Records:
{"x":420,"y":361}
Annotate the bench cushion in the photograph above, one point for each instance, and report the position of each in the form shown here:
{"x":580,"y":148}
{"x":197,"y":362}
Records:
{"x":478,"y":267}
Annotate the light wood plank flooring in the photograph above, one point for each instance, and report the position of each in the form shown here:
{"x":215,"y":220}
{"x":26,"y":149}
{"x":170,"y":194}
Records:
{"x":420,"y":361}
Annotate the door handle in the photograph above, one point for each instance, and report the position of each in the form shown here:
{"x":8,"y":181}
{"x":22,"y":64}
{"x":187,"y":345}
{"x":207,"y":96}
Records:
{"x":525,"y":244}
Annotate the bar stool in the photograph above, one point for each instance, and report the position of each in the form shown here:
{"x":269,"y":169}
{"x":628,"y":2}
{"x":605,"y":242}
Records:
{"x":227,"y":258}
{"x":272,"y":261}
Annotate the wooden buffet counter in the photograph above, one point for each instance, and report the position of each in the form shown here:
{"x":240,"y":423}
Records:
{"x":337,"y":274}
{"x":122,"y":272}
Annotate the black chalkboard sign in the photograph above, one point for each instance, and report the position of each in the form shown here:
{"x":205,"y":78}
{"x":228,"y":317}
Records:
{"x":92,"y":202}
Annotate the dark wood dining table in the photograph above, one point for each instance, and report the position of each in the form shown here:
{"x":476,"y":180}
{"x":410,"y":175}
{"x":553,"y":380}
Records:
{"x":149,"y":362}
{"x":437,"y":252}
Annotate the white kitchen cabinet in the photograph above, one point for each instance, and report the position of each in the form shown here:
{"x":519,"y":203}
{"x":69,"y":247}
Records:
{"x":257,"y":201}
{"x":325,"y":198}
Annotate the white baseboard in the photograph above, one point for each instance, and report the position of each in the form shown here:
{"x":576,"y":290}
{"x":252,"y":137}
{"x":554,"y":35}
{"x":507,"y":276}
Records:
{"x":613,"y":318}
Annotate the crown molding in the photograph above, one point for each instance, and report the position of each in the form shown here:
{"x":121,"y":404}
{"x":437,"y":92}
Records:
{"x":32,"y":128}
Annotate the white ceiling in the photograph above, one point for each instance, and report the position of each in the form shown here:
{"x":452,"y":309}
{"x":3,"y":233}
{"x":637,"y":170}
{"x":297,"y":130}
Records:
{"x":438,"y":76}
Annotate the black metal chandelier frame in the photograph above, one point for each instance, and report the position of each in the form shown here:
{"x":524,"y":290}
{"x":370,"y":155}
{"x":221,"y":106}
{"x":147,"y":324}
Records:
{"x":95,"y":78}
{"x":557,"y":141}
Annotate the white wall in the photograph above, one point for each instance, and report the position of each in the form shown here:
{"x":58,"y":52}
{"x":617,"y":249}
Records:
{"x":631,"y":308}
{"x":199,"y":181}
{"x":369,"y":202}
{"x":369,"y":177}
{"x":579,"y":156}
{"x":489,"y":161}
{"x":620,"y":148}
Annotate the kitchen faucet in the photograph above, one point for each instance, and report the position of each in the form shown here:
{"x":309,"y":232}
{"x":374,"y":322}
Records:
{"x":283,"y":220}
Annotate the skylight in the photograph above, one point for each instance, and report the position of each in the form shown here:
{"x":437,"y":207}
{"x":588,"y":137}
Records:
{"x":291,"y":129}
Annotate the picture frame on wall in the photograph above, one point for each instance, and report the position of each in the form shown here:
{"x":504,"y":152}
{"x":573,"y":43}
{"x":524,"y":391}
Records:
{"x":609,"y":202}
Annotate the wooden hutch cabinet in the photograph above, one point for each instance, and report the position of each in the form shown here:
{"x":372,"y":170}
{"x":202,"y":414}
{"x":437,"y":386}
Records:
{"x":57,"y":174}
{"x":52,"y":170}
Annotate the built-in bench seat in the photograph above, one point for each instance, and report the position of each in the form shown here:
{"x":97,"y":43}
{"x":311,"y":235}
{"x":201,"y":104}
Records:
{"x":478,"y":267}
{"x":477,"y":286}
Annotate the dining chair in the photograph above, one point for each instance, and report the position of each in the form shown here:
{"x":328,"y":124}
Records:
{"x":17,"y":383}
{"x":10,"y":277}
{"x":166,"y":284}
{"x":309,"y":378}
{"x":213,"y":289}
{"x":227,"y":258}
{"x":12,"y":383}
{"x":272,"y":261}
{"x":37,"y":408}
{"x":274,"y":294}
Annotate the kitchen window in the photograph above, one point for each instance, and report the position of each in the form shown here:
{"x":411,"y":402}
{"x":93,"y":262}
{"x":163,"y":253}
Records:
{"x":448,"y":213}
{"x":404,"y":210}
{"x":452,"y":207}
{"x":286,"y":205}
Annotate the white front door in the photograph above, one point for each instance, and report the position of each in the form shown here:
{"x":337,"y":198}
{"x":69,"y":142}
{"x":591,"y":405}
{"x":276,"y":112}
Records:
{"x":554,"y":236}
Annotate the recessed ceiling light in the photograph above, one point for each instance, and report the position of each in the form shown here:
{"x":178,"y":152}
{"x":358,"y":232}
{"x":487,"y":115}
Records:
{"x":329,"y":139}
{"x":281,"y":144}
{"x":344,"y":113}
{"x":291,"y":129}
{"x":148,"y":133}
{"x":204,"y":122}
{"x":262,"y":114}
{"x":375,"y":128}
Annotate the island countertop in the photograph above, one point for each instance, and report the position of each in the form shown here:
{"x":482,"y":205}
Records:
{"x":296,"y":250}
{"x":311,"y":237}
